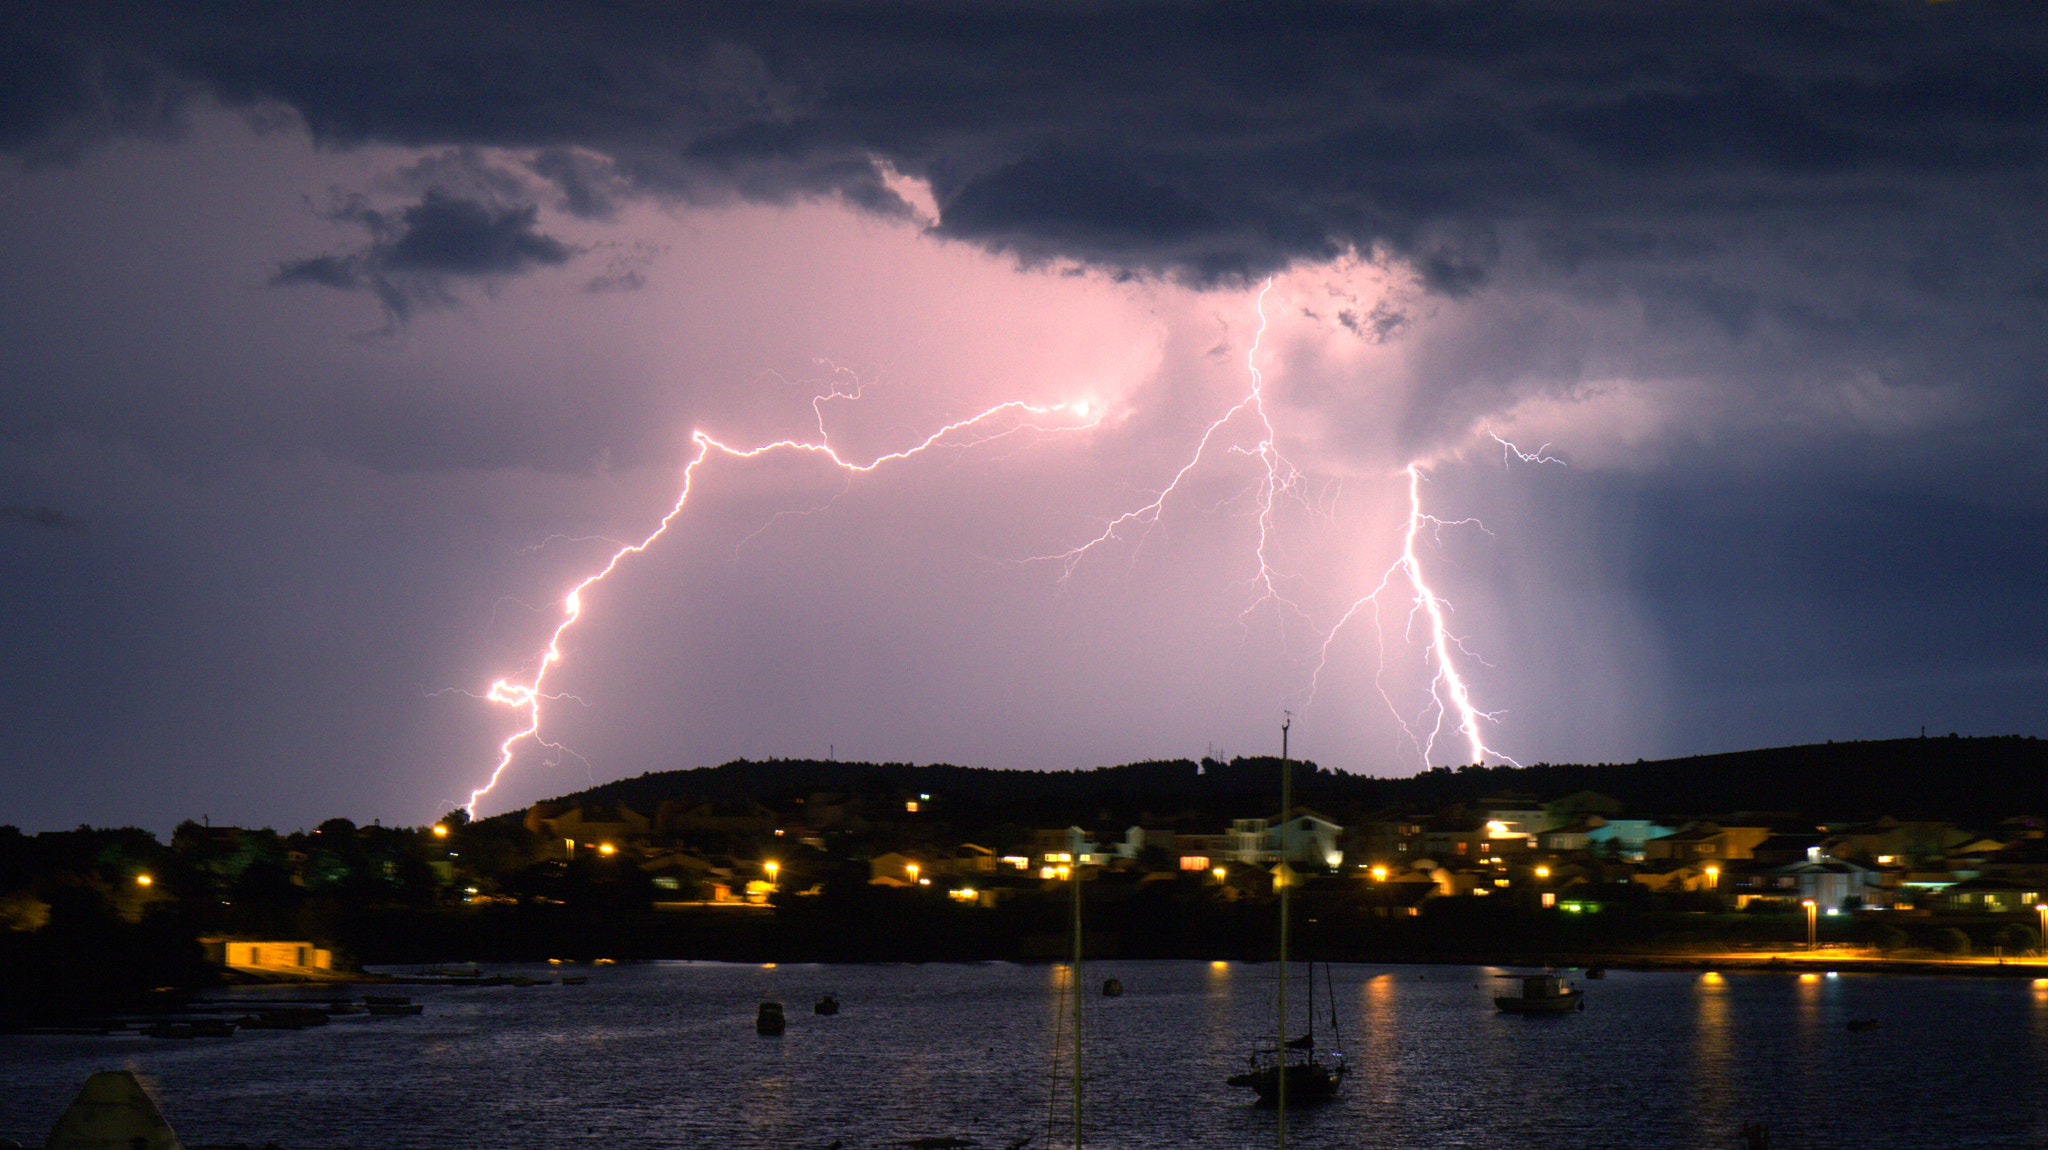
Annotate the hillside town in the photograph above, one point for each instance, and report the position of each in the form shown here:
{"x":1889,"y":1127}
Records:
{"x":760,"y":862}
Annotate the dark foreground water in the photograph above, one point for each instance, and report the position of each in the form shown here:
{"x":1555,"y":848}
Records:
{"x":665,"y":1055}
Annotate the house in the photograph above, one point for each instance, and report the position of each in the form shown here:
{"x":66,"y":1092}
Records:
{"x":1310,"y":839}
{"x":266,"y":957}
{"x":1706,"y":841}
{"x":683,"y":877}
{"x":1832,"y":884}
{"x":896,"y":868}
{"x":575,"y":827}
{"x":1990,"y":896}
{"x":1390,"y":841}
{"x":1623,"y":838}
{"x":1514,"y":818}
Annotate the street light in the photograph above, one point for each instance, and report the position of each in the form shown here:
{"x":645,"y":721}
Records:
{"x":911,"y":869}
{"x":771,"y":868}
{"x":1811,"y":910}
{"x":1713,"y":877}
{"x":1543,"y":872}
{"x":2041,"y":909}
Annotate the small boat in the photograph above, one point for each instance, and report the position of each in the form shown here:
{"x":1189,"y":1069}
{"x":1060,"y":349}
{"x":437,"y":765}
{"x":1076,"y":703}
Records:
{"x":1596,"y":972}
{"x":575,"y":979}
{"x":203,"y":1028}
{"x":1863,"y":1024}
{"x":826,"y":1005}
{"x":394,"y":1009}
{"x":769,"y":1019}
{"x":1541,"y":994}
{"x":272,"y":1020}
{"x":387,"y":999}
{"x":1111,"y":988}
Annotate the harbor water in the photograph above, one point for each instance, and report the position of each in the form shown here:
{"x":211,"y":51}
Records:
{"x":666,"y":1055}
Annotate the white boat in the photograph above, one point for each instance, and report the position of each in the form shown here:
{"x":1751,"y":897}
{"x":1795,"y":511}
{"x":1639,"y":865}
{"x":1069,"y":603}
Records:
{"x":1542,"y":994}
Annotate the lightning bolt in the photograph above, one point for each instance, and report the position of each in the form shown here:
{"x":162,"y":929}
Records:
{"x":1450,"y":703}
{"x":525,"y":698}
{"x":1450,"y":698}
{"x":1277,"y":478}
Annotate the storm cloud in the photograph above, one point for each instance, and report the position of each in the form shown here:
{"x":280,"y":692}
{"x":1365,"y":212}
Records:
{"x":1767,"y":275}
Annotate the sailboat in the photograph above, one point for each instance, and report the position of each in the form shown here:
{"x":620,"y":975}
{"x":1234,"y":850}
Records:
{"x":1291,"y":1072}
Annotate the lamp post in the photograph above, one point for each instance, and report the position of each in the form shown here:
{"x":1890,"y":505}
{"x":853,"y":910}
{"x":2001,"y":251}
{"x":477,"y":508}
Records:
{"x":2042,"y":910}
{"x":1811,"y":909}
{"x":771,"y":868}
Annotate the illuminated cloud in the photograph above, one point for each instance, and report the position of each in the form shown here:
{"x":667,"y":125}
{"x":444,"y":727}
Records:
{"x":1764,"y":275}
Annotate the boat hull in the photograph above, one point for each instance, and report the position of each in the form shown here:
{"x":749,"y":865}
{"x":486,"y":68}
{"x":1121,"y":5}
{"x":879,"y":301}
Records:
{"x":1549,"y":1004}
{"x":1307,"y":1083}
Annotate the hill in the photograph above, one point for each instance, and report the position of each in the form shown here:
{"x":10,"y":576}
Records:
{"x":1974,"y":781}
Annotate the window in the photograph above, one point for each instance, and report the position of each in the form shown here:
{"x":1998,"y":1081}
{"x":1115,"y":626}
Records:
{"x":1194,"y":862}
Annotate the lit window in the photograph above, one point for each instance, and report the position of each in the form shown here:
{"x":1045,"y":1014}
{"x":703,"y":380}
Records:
{"x":911,"y":806}
{"x":1194,"y":862}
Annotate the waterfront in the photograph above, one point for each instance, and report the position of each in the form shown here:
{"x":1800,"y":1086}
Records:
{"x":665,"y":1055}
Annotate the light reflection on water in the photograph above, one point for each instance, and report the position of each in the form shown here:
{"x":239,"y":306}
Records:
{"x":665,"y":1055}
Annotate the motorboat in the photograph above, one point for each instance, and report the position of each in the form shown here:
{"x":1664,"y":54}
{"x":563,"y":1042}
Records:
{"x":768,"y":1020}
{"x":826,"y":1005}
{"x":1541,"y":994}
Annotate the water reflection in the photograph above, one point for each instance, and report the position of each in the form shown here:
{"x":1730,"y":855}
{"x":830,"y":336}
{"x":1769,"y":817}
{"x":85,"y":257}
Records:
{"x":1713,"y":1055}
{"x":666,"y":1056}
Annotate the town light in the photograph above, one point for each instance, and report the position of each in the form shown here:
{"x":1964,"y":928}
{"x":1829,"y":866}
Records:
{"x":606,"y":848}
{"x":1713,"y":876}
{"x":1811,"y":909}
{"x":911,"y":870}
{"x":1379,"y":874}
{"x":771,"y":868}
{"x":143,"y":880}
{"x":1543,"y":872}
{"x":1220,"y":874}
{"x":440,"y":832}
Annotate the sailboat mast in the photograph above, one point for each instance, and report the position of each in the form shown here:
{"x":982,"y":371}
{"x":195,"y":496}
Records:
{"x":1074,"y":880}
{"x":1286,"y":893}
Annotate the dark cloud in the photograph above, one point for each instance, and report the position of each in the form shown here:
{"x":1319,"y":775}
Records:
{"x":38,"y":516}
{"x":1208,"y":139}
{"x":412,"y":252}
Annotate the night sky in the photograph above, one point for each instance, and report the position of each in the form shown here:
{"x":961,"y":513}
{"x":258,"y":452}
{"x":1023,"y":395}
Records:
{"x":342,"y":340}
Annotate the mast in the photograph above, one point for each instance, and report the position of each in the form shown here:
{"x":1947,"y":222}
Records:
{"x":1074,"y":879}
{"x":1286,"y":893}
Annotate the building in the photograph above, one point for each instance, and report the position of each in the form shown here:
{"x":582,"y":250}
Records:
{"x":269,"y":957}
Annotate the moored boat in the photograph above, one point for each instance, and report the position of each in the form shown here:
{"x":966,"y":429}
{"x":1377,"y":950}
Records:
{"x":769,"y":1020}
{"x":1541,"y":994}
